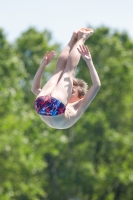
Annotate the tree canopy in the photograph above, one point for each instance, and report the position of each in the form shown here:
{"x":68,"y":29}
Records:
{"x":93,"y":160}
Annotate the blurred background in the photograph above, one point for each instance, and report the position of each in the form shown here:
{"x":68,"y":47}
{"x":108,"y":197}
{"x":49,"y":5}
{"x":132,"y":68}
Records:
{"x":93,"y":160}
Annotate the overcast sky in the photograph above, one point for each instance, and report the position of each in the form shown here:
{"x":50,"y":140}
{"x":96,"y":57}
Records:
{"x":62,"y":17}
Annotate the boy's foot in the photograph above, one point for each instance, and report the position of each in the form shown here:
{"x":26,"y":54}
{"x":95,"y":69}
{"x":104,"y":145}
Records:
{"x":75,"y":35}
{"x":85,"y":33}
{"x":73,"y":39}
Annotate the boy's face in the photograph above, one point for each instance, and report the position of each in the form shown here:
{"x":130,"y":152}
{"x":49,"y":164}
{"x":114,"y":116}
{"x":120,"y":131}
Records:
{"x":74,"y":96}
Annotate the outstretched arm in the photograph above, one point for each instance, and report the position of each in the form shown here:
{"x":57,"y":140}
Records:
{"x":36,"y":85}
{"x":84,"y":51}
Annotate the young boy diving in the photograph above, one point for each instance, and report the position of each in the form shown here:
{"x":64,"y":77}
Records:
{"x":64,"y":99}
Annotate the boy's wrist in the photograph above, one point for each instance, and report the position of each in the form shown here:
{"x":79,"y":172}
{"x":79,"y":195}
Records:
{"x":43,"y":64}
{"x":89,"y":61}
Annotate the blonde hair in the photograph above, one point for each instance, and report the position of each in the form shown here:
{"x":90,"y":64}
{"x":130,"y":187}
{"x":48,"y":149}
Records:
{"x":82,"y":86}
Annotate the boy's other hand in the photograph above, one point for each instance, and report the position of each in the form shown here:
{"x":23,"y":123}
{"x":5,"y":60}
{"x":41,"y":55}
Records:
{"x":85,"y":53}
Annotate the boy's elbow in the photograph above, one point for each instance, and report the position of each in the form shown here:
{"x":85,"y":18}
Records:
{"x":35,"y":91}
{"x":32,"y":90}
{"x":98,"y":85}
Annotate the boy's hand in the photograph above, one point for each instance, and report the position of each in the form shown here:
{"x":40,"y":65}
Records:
{"x":85,"y":53}
{"x":48,"y":57}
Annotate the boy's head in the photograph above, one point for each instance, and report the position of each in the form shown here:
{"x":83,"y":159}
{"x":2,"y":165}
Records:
{"x":79,"y":90}
{"x":81,"y":85}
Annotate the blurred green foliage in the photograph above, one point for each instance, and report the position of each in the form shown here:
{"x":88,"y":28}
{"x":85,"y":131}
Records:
{"x":93,"y":160}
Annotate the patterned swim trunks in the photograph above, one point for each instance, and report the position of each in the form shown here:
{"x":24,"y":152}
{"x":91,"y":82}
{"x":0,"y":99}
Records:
{"x":49,"y":106}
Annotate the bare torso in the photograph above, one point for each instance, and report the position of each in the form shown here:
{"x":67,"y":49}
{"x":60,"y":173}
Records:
{"x":65,"y":120}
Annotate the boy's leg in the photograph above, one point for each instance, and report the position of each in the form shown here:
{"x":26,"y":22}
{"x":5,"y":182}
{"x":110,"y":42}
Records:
{"x":60,"y":66}
{"x":62,"y":59}
{"x":63,"y":90}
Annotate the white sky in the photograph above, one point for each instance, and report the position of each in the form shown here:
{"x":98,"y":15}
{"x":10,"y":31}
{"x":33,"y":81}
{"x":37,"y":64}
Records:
{"x":62,"y":17}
